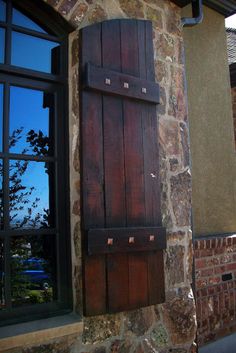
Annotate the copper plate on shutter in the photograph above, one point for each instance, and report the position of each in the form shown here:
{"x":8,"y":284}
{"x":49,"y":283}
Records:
{"x":123,"y":238}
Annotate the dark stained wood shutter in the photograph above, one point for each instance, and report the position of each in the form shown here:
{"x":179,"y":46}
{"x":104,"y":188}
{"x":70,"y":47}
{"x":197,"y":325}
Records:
{"x":123,"y":240}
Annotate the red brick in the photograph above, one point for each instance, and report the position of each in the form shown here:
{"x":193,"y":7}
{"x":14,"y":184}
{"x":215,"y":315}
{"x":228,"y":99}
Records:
{"x":204,"y":292}
{"x":229,"y":241}
{"x":199,"y":263}
{"x":231,"y":267}
{"x":206,"y":252}
{"x":211,"y":290}
{"x":214,"y":280}
{"x":197,"y":244}
{"x":213,"y":243}
{"x":207,"y":272}
{"x":213,"y":261}
{"x":196,"y":254}
{"x":219,"y":251}
{"x":220,"y":270}
{"x":200,"y":283}
{"x":202,"y":244}
{"x":208,"y":244}
{"x":225,"y":259}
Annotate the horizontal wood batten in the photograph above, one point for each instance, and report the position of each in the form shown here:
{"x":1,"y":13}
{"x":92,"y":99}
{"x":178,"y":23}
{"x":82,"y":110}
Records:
{"x":116,"y":83}
{"x":115,"y":240}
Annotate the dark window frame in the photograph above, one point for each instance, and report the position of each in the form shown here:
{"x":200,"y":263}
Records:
{"x":51,"y":83}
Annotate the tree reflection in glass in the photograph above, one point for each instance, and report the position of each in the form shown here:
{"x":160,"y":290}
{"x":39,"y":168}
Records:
{"x":29,"y":195}
{"x":2,"y":291}
{"x":33,"y":270}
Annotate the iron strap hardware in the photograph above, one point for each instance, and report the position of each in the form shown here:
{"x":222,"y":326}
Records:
{"x":116,"y":83}
{"x":115,"y":240}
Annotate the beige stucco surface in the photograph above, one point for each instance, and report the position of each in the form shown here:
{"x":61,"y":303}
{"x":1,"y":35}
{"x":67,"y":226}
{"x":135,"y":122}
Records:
{"x":211,"y":126}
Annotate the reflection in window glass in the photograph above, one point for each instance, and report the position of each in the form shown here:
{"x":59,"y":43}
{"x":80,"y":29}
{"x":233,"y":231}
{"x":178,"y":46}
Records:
{"x":2,"y":45}
{"x":33,"y":270}
{"x":30,"y":121}
{"x":21,"y":20}
{"x":1,"y":194}
{"x":33,"y":53}
{"x":31,"y":203}
{"x":1,"y":113}
{"x":2,"y":294}
{"x":2,"y":10}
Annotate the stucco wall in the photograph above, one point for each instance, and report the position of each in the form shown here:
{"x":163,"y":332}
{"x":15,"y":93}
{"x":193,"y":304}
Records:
{"x":211,"y":126}
{"x":170,"y":327}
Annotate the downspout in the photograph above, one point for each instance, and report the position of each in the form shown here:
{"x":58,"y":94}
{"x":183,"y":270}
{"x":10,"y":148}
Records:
{"x":197,"y":11}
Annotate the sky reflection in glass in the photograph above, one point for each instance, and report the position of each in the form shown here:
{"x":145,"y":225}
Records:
{"x":2,"y":11}
{"x":21,"y":20}
{"x":32,"y":52}
{"x":2,"y":45}
{"x":29,"y":122}
{"x":29,"y":194}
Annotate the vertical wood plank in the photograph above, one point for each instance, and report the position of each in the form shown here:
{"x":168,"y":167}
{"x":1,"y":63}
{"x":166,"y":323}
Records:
{"x":156,"y":286}
{"x":150,"y":142}
{"x":92,"y":174}
{"x":156,"y":280}
{"x":117,"y":264}
{"x":134,"y":173}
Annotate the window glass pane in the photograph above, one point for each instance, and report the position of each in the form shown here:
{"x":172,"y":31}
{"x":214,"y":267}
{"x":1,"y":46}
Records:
{"x":1,"y":112}
{"x":31,"y":120}
{"x":1,"y":194}
{"x":34,"y":53}
{"x":2,"y":291}
{"x":21,"y":20}
{"x":31,"y":194}
{"x":2,"y":45}
{"x":33,"y":270}
{"x":2,"y":10}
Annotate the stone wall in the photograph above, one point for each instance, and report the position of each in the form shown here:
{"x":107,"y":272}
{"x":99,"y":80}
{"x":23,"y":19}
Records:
{"x":215,"y":287}
{"x":233,"y":93}
{"x":170,"y":327}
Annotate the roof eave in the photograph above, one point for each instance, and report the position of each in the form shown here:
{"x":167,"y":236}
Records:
{"x":224,"y":7}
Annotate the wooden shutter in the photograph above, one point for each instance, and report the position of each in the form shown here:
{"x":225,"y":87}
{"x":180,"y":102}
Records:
{"x":123,"y":240}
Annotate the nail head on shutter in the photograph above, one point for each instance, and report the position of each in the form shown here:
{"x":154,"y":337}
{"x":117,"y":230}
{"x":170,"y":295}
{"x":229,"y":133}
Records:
{"x":131,"y":240}
{"x":144,"y":90}
{"x":151,"y":237}
{"x":108,"y":81}
{"x":110,"y":241}
{"x":126,"y":85}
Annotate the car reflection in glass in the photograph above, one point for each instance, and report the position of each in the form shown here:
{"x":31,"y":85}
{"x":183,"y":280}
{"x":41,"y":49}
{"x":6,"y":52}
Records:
{"x":31,"y":281}
{"x":35,"y":273}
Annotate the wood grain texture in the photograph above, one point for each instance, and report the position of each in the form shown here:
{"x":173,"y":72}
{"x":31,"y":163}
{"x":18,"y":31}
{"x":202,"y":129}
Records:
{"x":117,"y":274}
{"x":120,"y":171}
{"x":92,"y":175}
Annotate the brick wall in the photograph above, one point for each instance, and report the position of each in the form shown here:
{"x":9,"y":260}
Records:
{"x":215,"y":271}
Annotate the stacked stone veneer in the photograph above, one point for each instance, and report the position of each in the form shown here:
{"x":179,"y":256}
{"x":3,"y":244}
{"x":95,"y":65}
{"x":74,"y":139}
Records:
{"x":215,"y":296}
{"x":170,"y":327}
{"x":233,"y":93}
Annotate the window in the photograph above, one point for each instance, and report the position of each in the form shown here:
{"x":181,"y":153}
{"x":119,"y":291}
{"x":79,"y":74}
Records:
{"x":34,"y":236}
